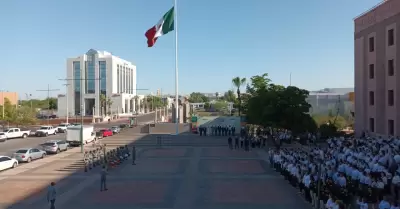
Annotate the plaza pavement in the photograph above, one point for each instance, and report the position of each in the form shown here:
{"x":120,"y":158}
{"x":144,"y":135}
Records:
{"x":182,"y":177}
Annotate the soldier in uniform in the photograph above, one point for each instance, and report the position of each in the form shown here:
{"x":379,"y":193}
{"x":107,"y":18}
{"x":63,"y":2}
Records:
{"x":133,"y":155}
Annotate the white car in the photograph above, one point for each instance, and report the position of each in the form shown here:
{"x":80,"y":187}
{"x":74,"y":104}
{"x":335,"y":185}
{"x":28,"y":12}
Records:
{"x":62,"y":128}
{"x":7,"y":162}
{"x":46,"y":130}
{"x":12,"y":133}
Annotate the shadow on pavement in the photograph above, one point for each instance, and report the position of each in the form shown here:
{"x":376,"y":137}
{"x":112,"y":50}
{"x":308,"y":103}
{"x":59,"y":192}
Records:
{"x":26,"y":186}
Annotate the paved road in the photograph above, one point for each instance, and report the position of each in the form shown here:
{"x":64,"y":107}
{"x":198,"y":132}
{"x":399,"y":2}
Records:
{"x":184,"y":177}
{"x":8,"y":147}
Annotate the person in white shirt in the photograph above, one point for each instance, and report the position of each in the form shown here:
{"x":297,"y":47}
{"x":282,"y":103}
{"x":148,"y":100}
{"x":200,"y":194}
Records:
{"x":362,"y":204}
{"x":394,"y":205}
{"x":384,"y":204}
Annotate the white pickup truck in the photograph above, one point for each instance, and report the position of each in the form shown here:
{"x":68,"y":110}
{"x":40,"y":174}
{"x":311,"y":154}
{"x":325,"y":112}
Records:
{"x":62,"y":128}
{"x":45,"y":131}
{"x":12,"y":133}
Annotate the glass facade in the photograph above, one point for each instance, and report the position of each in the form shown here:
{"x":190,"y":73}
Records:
{"x":77,"y":86}
{"x":103,"y":77}
{"x":91,"y":74}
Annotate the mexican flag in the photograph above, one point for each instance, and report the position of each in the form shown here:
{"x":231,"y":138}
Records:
{"x":164,"y":26}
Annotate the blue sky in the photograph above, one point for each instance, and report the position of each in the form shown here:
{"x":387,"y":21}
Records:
{"x":218,"y":40}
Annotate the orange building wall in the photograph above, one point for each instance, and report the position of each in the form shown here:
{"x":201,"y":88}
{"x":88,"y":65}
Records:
{"x":12,"y":96}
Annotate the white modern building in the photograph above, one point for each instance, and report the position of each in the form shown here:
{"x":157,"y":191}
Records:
{"x":97,"y":73}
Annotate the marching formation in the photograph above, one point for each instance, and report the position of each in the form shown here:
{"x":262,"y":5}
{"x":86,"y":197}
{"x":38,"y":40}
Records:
{"x":217,"y":130}
{"x":109,"y":159}
{"x":363,"y":171}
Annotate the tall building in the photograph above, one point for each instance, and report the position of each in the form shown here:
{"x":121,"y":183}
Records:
{"x":377,"y":80}
{"x":11,"y":96}
{"x":94,"y":74}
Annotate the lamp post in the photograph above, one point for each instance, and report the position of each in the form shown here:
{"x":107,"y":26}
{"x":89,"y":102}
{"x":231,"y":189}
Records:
{"x":29,"y":97}
{"x":66,"y":95}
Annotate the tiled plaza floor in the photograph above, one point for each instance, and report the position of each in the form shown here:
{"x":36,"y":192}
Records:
{"x":183,"y":178}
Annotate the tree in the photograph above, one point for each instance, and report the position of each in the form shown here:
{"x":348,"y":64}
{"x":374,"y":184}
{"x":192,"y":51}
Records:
{"x":154,"y":101}
{"x":24,"y":116}
{"x":238,"y":83}
{"x":9,"y":111}
{"x":220,"y":106}
{"x":278,"y":106}
{"x":103,"y":104}
{"x":229,"y":96}
{"x":109,"y":103}
{"x":340,"y":122}
{"x":52,"y":103}
{"x":197,"y":97}
{"x":136,"y":98}
{"x":207,"y":106}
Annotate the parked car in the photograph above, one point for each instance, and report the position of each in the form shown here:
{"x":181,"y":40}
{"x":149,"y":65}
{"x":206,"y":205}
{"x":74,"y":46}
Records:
{"x":12,"y":133}
{"x":55,"y":146}
{"x":62,"y":127}
{"x":7,"y":162}
{"x":106,"y":132}
{"x":115,"y":129}
{"x":99,"y":134}
{"x":3,"y":137}
{"x":45,"y":131}
{"x":29,"y":154}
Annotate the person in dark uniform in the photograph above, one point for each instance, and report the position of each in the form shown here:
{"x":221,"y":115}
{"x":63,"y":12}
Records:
{"x":230,"y":142}
{"x":246,"y":144}
{"x":236,"y":142}
{"x":133,"y":155}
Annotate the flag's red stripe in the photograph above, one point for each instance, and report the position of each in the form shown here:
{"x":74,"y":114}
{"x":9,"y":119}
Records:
{"x":150,"y":35}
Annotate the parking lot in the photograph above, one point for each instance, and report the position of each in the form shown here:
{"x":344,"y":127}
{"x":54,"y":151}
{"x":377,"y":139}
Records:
{"x":8,"y":147}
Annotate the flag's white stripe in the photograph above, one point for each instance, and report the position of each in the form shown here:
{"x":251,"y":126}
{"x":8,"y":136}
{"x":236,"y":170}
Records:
{"x":159,"y":27}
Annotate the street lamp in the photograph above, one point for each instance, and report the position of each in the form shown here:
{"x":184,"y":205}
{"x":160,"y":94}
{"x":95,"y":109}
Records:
{"x":66,"y":95}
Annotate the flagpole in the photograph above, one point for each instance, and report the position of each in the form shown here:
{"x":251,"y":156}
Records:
{"x":176,"y":68}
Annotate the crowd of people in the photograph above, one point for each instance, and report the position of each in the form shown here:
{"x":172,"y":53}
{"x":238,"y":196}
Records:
{"x":345,"y":173}
{"x":217,"y":130}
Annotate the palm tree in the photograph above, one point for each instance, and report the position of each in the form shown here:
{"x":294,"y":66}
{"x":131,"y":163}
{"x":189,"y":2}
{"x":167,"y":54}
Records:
{"x":103,"y":104}
{"x":136,"y":99}
{"x":109,"y":102}
{"x":238,"y":83}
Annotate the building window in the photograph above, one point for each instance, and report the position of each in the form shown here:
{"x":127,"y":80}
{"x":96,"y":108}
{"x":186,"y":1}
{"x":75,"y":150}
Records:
{"x":103,"y":77}
{"x":390,"y":97}
{"x":77,"y":76}
{"x":90,"y":75}
{"x":391,"y":67}
{"x":391,"y":127}
{"x":372,"y":125}
{"x":371,"y":71}
{"x":371,"y":98}
{"x":371,"y":44}
{"x":77,"y":86}
{"x":391,"y":37}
